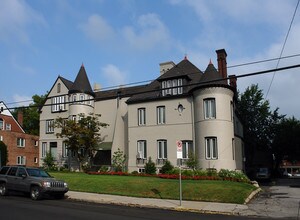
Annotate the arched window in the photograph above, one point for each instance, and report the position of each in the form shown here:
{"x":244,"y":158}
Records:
{"x":58,"y":88}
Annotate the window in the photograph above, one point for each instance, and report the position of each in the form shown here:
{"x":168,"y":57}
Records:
{"x":233,"y":149}
{"x":20,"y":142}
{"x":65,"y":150}
{"x":21,"y":160}
{"x":35,"y":160}
{"x":50,"y":126}
{"x":12,"y":171}
{"x":209,"y":108}
{"x":58,"y":103}
{"x":142,"y":149}
{"x":44,"y":149}
{"x":53,"y":149}
{"x":211,"y":148}
{"x":141,"y":116}
{"x":172,"y":87}
{"x":74,"y":98}
{"x":36,"y":143}
{"x":1,"y":124}
{"x":161,"y":114}
{"x":58,"y":88}
{"x":187,"y":149}
{"x":81,"y":98}
{"x":162,"y":149}
{"x":21,"y":172}
{"x":1,"y":138}
{"x":7,"y":127}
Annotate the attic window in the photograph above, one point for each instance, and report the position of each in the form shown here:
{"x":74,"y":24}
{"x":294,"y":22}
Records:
{"x":172,"y":87}
{"x":58,"y":88}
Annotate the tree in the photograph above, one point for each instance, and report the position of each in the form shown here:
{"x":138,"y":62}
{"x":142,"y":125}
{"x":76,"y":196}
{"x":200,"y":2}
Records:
{"x":258,"y":122}
{"x":286,"y":144}
{"x":192,"y":162}
{"x":82,"y":137}
{"x":150,"y":167}
{"x":48,"y":161}
{"x":31,"y":115}
{"x":118,"y":160}
{"x":3,"y":154}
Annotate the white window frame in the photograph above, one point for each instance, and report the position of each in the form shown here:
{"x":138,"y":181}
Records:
{"x":81,"y":98}
{"x":162,"y":149}
{"x":209,"y":108}
{"x":1,"y":124}
{"x":8,"y":127}
{"x":21,"y":160}
{"x":211,"y":148}
{"x":49,"y":126}
{"x":141,"y":149}
{"x":187,"y":149}
{"x":44,"y":149}
{"x":65,"y":150}
{"x":161,"y":114}
{"x":20,"y":142}
{"x":141,"y":116}
{"x":35,"y":160}
{"x":58,"y":103}
{"x":172,"y":87}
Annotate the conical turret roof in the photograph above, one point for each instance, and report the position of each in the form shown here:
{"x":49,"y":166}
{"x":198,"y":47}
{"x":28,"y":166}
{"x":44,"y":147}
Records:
{"x":82,"y":83}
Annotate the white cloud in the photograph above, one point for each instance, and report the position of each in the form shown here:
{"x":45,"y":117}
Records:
{"x":97,"y":29}
{"x":114,"y":75}
{"x":22,"y":100}
{"x":150,"y":32}
{"x":15,"y":15}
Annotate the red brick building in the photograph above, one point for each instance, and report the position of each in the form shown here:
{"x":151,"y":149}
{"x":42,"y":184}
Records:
{"x":22,"y":148}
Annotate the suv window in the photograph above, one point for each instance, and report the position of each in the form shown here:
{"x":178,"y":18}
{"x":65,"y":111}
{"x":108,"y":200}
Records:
{"x":4,"y":170}
{"x":12,"y":171}
{"x":37,"y":172}
{"x":21,"y":171}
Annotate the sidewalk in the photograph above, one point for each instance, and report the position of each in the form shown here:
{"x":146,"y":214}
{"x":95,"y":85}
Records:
{"x":202,"y":207}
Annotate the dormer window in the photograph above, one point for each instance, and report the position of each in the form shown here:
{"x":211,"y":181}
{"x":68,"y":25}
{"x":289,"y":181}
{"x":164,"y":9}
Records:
{"x":172,"y":87}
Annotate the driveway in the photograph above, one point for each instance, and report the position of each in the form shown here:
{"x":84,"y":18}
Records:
{"x":278,"y":199}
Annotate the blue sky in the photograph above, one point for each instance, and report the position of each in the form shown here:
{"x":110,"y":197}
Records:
{"x":123,"y":41}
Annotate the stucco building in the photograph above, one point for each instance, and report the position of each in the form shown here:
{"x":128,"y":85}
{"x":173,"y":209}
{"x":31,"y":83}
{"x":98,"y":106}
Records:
{"x":183,"y":106}
{"x":22,"y":148}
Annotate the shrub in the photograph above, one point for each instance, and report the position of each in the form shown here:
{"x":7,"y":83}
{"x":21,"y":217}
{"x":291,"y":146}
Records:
{"x":103,"y":168}
{"x":167,"y":167}
{"x":150,"y":167}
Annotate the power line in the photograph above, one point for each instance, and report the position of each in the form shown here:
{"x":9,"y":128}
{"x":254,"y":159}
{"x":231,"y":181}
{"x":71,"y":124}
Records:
{"x":160,"y":89}
{"x":283,"y":46}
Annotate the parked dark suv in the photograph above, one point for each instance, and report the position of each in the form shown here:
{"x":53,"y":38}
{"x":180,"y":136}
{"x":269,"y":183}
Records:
{"x":34,"y":181}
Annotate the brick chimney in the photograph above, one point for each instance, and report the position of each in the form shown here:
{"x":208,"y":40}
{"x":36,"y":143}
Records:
{"x":222,"y":63}
{"x":232,"y":81}
{"x":20,"y":117}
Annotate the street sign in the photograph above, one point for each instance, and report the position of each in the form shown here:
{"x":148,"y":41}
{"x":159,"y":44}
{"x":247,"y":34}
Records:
{"x":179,"y":149}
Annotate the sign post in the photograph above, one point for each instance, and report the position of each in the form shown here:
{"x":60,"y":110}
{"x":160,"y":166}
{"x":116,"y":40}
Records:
{"x":179,"y":156}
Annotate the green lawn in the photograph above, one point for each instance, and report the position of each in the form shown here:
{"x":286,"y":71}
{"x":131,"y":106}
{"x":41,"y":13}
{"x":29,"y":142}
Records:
{"x":153,"y":187}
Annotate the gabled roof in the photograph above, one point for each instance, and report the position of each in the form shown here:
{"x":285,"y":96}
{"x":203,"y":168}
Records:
{"x":82,"y":83}
{"x":184,"y":69}
{"x":67,"y":82}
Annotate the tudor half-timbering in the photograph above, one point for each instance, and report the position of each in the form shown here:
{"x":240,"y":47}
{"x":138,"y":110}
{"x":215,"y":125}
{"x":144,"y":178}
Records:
{"x":183,"y":105}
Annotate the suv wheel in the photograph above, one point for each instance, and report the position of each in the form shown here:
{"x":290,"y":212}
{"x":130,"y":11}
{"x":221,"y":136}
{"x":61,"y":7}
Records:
{"x":3,"y":189}
{"x":35,"y":193}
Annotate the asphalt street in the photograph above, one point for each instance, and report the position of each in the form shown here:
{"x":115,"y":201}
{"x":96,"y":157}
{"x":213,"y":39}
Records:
{"x":21,"y":207}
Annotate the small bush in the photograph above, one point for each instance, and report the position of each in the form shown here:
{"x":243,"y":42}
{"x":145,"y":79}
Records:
{"x":150,"y":167}
{"x":167,"y":167}
{"x":104,"y":168}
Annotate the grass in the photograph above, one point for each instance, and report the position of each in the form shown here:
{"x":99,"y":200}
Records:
{"x":153,"y":187}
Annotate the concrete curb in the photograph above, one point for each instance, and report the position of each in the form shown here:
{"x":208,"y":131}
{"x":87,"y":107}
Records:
{"x":252,"y":195}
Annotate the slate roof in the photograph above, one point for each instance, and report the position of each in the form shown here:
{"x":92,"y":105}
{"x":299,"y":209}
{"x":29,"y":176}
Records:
{"x":212,"y":76}
{"x":82,"y":83}
{"x":67,"y":82}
